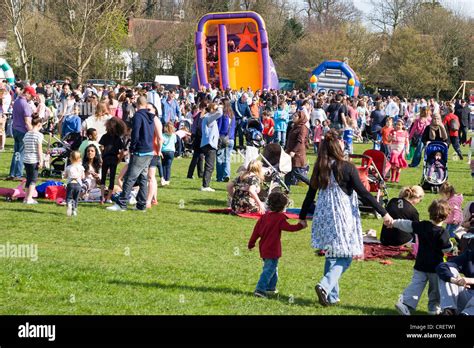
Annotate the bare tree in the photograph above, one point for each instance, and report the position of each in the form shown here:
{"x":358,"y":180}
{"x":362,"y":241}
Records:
{"x":328,"y":12}
{"x":16,"y":12}
{"x":86,"y":24}
{"x":388,"y":15}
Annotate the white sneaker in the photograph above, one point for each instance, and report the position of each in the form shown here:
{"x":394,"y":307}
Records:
{"x":115,"y":207}
{"x":401,"y":307}
{"x":437,"y":311}
{"x":207,"y":189}
{"x":69,"y":209}
{"x":74,"y":212}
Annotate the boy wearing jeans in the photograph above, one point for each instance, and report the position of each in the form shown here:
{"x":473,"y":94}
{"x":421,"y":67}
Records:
{"x":433,"y":243}
{"x":268,"y":229}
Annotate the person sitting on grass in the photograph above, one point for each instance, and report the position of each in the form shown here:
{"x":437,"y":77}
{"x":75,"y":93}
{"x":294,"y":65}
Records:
{"x":433,"y":242}
{"x":91,"y":135}
{"x":402,"y":207}
{"x":268,"y":229}
{"x":457,"y":296}
{"x":243,"y":191}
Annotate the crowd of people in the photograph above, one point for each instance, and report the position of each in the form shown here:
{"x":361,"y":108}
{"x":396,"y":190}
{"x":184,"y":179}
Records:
{"x":147,"y":128}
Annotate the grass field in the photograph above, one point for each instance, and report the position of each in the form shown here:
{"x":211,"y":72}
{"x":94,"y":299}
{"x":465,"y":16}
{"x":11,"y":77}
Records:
{"x":179,"y":259}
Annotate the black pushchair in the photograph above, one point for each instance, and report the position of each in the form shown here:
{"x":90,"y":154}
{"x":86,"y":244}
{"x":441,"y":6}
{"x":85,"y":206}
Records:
{"x":253,"y":134}
{"x":58,"y":153}
{"x":432,"y":179}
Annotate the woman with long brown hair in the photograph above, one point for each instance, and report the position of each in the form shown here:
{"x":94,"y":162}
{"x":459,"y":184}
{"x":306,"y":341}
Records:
{"x":296,"y":148}
{"x":336,"y":228}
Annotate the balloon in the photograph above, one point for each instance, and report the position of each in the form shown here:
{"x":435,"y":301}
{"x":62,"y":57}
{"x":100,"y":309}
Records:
{"x":313,"y":79}
{"x":351,"y":82}
{"x":314,"y":85}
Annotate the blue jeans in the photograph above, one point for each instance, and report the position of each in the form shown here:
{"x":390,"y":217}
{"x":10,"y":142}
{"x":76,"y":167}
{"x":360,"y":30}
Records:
{"x":280,"y":137}
{"x":168,"y":157}
{"x":269,"y":277}
{"x":333,"y":270}
{"x":417,"y":155}
{"x":223,"y":161}
{"x":239,"y":132}
{"x":137,"y":170}
{"x":16,"y":166}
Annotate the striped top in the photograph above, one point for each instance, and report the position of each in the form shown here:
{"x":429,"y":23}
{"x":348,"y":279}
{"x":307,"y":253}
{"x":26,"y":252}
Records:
{"x":31,"y":141}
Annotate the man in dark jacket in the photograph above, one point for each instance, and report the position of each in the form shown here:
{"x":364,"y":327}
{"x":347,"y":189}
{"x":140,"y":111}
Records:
{"x":457,"y":292}
{"x":141,"y":153}
{"x":464,"y":118}
{"x":242,"y":112}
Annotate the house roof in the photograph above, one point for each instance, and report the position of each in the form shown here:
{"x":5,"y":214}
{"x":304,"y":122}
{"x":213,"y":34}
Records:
{"x":157,"y":34}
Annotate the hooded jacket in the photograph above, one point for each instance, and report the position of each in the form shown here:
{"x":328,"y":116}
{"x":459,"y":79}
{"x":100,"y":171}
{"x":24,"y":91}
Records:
{"x":143,"y":129}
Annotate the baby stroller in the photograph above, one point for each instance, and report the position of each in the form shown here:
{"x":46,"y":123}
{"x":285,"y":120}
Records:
{"x":372,"y":171}
{"x":276,"y":164}
{"x":58,"y":154}
{"x":431,"y":180}
{"x":253,"y":134}
{"x":185,"y":144}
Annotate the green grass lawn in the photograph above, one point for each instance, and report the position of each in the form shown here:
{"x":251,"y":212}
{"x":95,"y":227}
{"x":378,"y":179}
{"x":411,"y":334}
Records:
{"x":179,"y":259}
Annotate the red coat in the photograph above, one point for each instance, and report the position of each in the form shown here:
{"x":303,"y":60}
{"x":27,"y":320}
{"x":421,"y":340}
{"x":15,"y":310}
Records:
{"x":268,"y":229}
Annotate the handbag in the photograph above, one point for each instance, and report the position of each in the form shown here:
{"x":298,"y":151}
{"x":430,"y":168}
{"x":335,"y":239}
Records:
{"x":224,"y":139}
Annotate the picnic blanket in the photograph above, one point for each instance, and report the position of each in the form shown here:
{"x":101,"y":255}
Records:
{"x":375,"y":251}
{"x":292,"y":213}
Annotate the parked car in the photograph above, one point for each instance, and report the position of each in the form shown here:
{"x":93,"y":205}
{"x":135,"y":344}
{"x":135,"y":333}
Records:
{"x":101,"y":82}
{"x":144,"y":84}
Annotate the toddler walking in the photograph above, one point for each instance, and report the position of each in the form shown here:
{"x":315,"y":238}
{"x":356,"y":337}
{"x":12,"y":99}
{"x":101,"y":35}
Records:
{"x":74,"y":174}
{"x":433,"y":243}
{"x":268,"y":229}
{"x":455,"y":200}
{"x":318,"y":135}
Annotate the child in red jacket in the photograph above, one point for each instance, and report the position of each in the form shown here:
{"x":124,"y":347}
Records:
{"x":268,"y":229}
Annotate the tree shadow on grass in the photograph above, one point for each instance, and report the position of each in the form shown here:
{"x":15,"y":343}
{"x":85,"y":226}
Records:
{"x":31,"y":211}
{"x":224,"y":290}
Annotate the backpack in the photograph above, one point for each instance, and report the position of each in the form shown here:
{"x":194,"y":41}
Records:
{"x":334,"y":115}
{"x":454,"y":125}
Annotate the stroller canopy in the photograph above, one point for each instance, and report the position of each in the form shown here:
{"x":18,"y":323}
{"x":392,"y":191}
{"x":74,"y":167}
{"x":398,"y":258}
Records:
{"x":436,"y":146}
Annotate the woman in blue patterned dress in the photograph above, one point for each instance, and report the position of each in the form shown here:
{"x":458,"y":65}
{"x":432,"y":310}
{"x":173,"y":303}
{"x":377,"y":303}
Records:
{"x":336,"y":228}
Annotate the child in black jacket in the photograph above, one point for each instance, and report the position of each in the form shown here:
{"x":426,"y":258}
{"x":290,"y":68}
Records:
{"x":433,"y":243}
